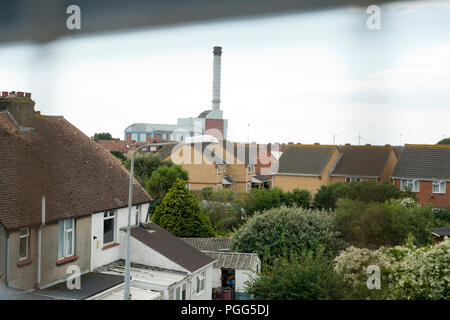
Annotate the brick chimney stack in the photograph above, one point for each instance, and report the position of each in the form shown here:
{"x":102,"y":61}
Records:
{"x":19,"y":107}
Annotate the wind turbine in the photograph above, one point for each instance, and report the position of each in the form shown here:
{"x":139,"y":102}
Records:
{"x":334,"y":137}
{"x":359,"y":138}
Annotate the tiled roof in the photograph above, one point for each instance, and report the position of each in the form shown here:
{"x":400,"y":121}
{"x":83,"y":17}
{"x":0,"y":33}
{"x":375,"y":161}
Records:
{"x":56,"y":160}
{"x":209,"y":244}
{"x":201,"y":147}
{"x":362,"y":161}
{"x":424,"y":162}
{"x":259,"y":178}
{"x":170,"y":246}
{"x":235,"y":260}
{"x":305,"y":159}
{"x":114,"y":145}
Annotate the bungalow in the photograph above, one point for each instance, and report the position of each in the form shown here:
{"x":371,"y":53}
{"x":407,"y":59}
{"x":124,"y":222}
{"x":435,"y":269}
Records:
{"x":364,"y":163}
{"x":425,"y":169}
{"x":305,"y":167}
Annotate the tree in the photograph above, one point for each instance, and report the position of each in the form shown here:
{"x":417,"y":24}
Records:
{"x":145,"y":165}
{"x":366,"y":191}
{"x":258,"y":200}
{"x":444,"y":141}
{"x":375,"y":224}
{"x":103,"y":136}
{"x":304,"y":275}
{"x":279,"y":229}
{"x":163,"y":178}
{"x":180,"y":213}
{"x":119,"y":155}
{"x":206,"y":193}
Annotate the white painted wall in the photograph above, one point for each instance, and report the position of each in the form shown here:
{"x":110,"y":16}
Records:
{"x":241,"y":276}
{"x":207,"y":293}
{"x":100,"y":257}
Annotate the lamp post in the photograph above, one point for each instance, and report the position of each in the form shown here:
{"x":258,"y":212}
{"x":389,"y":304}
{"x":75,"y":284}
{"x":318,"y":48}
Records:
{"x":127,"y":295}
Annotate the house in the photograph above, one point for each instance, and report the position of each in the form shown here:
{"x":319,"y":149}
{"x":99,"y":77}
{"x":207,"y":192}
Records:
{"x":425,"y":169}
{"x":205,"y":167}
{"x":305,"y":167}
{"x":364,"y":163}
{"x":229,"y":265}
{"x":164,"y":263}
{"x":61,"y":195}
{"x":439,"y":234}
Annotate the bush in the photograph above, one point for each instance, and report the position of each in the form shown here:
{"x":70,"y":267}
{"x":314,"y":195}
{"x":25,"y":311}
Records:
{"x":372,"y":225}
{"x":144,"y":165}
{"x":283,"y":229}
{"x":180,"y":213}
{"x":119,"y":155}
{"x":297,"y":276}
{"x":366,"y":191}
{"x":258,"y":200}
{"x":407,"y":272}
{"x":442,"y":217}
{"x":206,"y":193}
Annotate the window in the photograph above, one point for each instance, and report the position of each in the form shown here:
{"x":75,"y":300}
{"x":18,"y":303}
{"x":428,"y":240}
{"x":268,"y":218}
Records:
{"x":250,"y":168}
{"x":438,"y":186}
{"x":108,"y":227}
{"x":249,"y":185}
{"x":171,"y":294}
{"x":138,"y":210}
{"x":412,"y":184}
{"x":201,"y":282}
{"x":219,"y":186}
{"x":66,"y":230}
{"x":352,"y":179}
{"x":183,"y":292}
{"x":219,"y":169}
{"x":134,"y":136}
{"x":24,"y":243}
{"x":178,"y":293}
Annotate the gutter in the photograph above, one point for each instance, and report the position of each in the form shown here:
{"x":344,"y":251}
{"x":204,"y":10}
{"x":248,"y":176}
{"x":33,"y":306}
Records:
{"x":39,"y":264}
{"x":7,"y":259}
{"x":297,"y":174}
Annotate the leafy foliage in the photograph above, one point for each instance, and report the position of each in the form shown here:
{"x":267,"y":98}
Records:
{"x":366,"y":191}
{"x":119,"y":155}
{"x":163,"y":178}
{"x":380,"y":224}
{"x":304,"y":275}
{"x":258,"y":200}
{"x":180,"y":213}
{"x":407,"y":272}
{"x":283,"y":229}
{"x":442,"y":216}
{"x":206,"y":193}
{"x":103,"y":136}
{"x":146,"y":164}
{"x":444,"y":141}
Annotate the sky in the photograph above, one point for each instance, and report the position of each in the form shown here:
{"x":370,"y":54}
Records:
{"x":299,"y":77}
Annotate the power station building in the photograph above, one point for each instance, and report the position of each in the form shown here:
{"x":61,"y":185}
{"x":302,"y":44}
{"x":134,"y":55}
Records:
{"x":208,"y":122}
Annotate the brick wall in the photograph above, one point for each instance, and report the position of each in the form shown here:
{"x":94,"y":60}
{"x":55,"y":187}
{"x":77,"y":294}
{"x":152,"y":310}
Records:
{"x":426,"y":195}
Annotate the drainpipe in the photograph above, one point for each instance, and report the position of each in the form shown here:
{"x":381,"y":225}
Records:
{"x":7,"y":259}
{"x":40,"y":242}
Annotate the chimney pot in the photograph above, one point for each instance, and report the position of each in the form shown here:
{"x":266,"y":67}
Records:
{"x":4,"y":94}
{"x":368,"y":144}
{"x":20,"y":94}
{"x":290,"y":143}
{"x":347,"y":144}
{"x":28,"y":95}
{"x":316,"y":143}
{"x":388,"y":145}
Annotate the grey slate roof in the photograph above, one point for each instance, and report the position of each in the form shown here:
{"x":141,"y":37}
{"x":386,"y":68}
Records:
{"x":441,"y":232}
{"x":226,"y":179}
{"x":259,"y":178}
{"x":235,"y":260}
{"x":362,"y":161}
{"x":209,"y":244}
{"x":305,"y":159}
{"x":424,"y":162}
{"x":170,"y":246}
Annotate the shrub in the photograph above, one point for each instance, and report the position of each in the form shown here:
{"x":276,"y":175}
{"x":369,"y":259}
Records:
{"x":372,"y":225}
{"x":206,"y":193}
{"x":163,"y":178}
{"x":366,"y":191}
{"x":304,"y":275}
{"x":283,"y":229}
{"x":180,"y":213}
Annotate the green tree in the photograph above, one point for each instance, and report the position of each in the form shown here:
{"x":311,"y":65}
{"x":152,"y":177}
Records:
{"x":279,"y":229}
{"x":163,"y":178}
{"x":206,"y":193}
{"x":304,"y":275}
{"x":444,"y":141}
{"x":103,"y":136}
{"x":375,"y":224}
{"x":180,"y":213}
{"x":119,"y":155}
{"x":145,"y":165}
{"x":366,"y":191}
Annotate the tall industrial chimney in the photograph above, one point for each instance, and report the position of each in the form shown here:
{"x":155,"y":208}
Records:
{"x":216,"y":78}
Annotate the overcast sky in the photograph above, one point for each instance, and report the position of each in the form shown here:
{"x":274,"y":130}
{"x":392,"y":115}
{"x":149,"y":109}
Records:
{"x":298,"y":77}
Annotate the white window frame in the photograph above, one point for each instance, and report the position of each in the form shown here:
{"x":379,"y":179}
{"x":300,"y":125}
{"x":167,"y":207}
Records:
{"x":201,"y":280}
{"x":219,"y":169}
{"x":250,"y":169}
{"x":138,"y":214}
{"x":27,"y":242}
{"x":353,"y":179}
{"x":441,"y":185}
{"x":109,"y":216}
{"x":407,"y":182}
{"x":64,"y":244}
